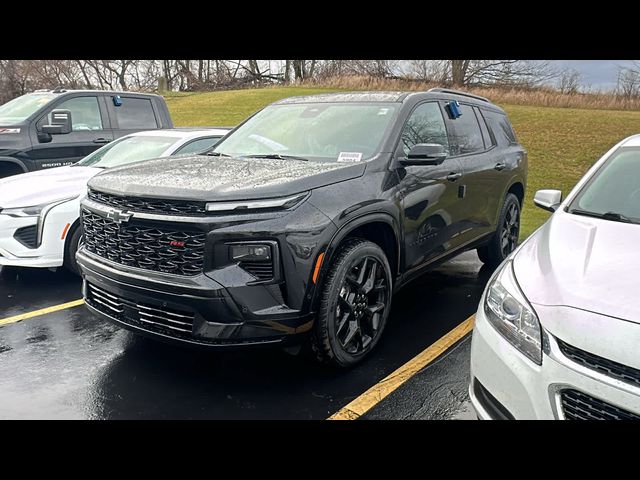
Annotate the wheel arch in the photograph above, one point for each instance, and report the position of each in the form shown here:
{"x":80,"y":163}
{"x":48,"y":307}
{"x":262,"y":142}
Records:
{"x":13,"y":162}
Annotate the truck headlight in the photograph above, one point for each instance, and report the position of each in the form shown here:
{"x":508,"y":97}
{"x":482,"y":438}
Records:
{"x":509,"y":312}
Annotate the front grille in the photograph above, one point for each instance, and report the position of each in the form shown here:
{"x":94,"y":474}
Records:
{"x":168,"y":321}
{"x":27,"y":236}
{"x":580,"y":406}
{"x":607,"y":367}
{"x":149,"y":205}
{"x":261,"y":270}
{"x":180,"y":252}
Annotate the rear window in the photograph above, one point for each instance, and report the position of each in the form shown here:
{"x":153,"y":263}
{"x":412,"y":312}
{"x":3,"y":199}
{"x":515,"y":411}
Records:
{"x":135,"y":113}
{"x":500,"y":128}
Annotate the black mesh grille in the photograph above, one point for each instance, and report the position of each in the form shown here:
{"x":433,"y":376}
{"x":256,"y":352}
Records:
{"x":580,"y":406}
{"x":168,"y":321}
{"x":179,"y":252}
{"x":149,"y":205}
{"x":602,"y":365}
{"x":27,"y":236}
{"x":262,"y":270}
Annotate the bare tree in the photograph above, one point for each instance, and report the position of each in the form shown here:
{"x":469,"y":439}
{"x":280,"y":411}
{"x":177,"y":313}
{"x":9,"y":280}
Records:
{"x":569,"y":81}
{"x":628,"y":85}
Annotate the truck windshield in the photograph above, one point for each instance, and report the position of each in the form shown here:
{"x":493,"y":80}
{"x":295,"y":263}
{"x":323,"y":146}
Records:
{"x":613,"y":192}
{"x":19,"y":109}
{"x":128,"y":150}
{"x":325,"y":132}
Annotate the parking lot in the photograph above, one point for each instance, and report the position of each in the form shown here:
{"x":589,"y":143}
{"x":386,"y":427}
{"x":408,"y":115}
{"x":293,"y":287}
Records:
{"x":61,"y":362}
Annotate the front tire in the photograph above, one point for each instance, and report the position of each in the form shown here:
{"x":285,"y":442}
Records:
{"x":71,"y":247}
{"x":354,"y":304}
{"x":505,"y":239}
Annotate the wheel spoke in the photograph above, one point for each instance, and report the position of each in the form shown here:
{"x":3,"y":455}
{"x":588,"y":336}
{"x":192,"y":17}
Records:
{"x":363,"y":271}
{"x":351,"y":333}
{"x":378,"y":307}
{"x":342,"y":323}
{"x":371,"y":278}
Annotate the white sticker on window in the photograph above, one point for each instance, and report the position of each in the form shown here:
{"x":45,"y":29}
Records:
{"x":349,"y":157}
{"x":383,"y":111}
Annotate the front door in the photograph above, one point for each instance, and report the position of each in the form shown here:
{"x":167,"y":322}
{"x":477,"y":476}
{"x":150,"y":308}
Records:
{"x":431,"y":206}
{"x":90,"y":130}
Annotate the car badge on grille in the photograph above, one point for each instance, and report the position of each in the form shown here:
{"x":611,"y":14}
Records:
{"x":119,"y":216}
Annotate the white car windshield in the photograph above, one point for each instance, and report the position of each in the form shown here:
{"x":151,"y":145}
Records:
{"x":128,"y":150}
{"x":327,"y":132}
{"x":613,"y":192}
{"x":19,"y":109}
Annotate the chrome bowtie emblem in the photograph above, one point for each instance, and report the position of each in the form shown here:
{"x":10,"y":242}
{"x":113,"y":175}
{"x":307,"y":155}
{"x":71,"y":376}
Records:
{"x":119,"y":216}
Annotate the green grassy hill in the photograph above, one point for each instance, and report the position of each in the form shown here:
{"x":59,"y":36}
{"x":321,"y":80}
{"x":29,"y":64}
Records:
{"x":562,"y":143}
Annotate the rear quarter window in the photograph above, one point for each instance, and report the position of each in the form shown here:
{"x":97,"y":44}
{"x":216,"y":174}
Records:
{"x":500,"y":128}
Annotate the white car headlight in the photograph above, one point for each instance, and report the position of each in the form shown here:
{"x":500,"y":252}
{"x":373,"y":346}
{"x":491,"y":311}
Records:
{"x":509,"y":312}
{"x":33,"y":211}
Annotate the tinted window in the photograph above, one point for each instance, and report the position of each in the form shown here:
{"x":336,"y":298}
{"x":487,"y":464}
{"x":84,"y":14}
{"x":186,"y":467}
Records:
{"x":500,"y":127}
{"x":85,"y":113}
{"x":488,"y":141}
{"x":135,"y":113}
{"x":197,"y":146}
{"x":127,"y":150}
{"x":425,"y":125}
{"x":466,"y":136}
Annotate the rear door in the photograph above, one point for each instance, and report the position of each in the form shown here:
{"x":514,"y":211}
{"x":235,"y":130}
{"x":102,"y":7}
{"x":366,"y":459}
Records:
{"x":479,"y":188}
{"x":90,"y":130}
{"x":131,"y":114}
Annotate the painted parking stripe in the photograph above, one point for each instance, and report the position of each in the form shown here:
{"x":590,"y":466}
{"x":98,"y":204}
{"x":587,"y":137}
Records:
{"x":392,"y":382}
{"x":43,"y":311}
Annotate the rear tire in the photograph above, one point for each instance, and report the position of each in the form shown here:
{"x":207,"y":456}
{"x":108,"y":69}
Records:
{"x":505,"y":239}
{"x":71,"y":247}
{"x":354,"y":304}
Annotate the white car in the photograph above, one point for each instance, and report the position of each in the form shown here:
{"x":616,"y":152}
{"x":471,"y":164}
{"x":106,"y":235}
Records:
{"x":39,"y":211}
{"x":558,"y":327}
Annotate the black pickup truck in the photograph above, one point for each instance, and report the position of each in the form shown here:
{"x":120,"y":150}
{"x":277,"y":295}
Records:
{"x":52,"y":128}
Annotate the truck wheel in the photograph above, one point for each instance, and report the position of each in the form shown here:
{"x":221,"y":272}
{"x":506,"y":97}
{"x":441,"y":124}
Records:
{"x":354,"y":304}
{"x":505,"y":239}
{"x":71,"y":247}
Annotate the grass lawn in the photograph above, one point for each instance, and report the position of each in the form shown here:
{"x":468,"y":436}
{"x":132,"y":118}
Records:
{"x":562,"y":143}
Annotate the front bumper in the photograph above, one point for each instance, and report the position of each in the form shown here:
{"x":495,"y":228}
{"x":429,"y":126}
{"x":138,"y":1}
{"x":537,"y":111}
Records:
{"x":525,"y":390}
{"x":195,"y":311}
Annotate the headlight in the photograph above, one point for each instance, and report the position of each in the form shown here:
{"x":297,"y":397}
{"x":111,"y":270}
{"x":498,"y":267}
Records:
{"x":33,"y":211}
{"x":282,"y":203}
{"x":510,"y":313}
{"x":250,"y":253}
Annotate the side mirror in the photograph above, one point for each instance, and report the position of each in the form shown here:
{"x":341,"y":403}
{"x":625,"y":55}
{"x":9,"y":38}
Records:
{"x":548,"y":200}
{"x":60,"y":123}
{"x":425,"y":154}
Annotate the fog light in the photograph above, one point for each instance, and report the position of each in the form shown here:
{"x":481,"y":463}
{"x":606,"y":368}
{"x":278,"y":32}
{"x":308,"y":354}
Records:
{"x":250,"y":253}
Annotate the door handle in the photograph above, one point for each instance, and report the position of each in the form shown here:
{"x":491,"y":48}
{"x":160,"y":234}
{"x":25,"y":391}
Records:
{"x":452,"y":177}
{"x":500,"y":166}
{"x":101,"y":140}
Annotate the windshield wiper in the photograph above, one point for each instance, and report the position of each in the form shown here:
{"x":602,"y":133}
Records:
{"x":277,"y":156}
{"x":217,"y":154}
{"x":614,"y":216}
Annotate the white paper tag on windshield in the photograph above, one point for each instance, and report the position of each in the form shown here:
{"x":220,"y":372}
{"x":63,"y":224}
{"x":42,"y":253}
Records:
{"x":350,"y":157}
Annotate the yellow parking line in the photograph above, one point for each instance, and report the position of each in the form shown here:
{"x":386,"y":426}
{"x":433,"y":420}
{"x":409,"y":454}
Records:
{"x":43,"y":311}
{"x":386,"y":386}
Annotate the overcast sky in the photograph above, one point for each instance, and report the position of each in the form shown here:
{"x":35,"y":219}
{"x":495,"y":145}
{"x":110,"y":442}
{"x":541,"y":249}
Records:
{"x":599,"y":74}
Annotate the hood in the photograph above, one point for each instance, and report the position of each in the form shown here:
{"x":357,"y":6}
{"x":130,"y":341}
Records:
{"x":212,"y":178}
{"x":582,"y":262}
{"x":44,"y":186}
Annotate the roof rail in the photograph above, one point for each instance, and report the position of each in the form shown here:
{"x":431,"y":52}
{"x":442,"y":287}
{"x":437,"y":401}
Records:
{"x":458,"y":92}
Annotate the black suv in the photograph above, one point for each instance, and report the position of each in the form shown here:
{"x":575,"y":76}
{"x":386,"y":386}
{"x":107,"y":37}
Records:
{"x":302,"y":222}
{"x":52,"y":128}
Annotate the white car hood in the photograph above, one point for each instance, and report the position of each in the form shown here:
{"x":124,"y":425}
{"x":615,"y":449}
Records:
{"x":583,"y":262}
{"x":44,"y":186}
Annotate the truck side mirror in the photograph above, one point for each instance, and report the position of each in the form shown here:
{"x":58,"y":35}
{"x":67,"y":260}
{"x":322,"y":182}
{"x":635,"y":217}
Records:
{"x":60,"y":123}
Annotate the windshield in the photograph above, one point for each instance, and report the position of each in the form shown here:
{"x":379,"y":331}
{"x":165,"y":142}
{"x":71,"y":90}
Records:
{"x":613,"y":192}
{"x":327,"y":132}
{"x":128,"y":150}
{"x":18,"y":109}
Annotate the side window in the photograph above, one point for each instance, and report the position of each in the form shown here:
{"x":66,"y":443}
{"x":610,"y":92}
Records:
{"x":466,"y":136}
{"x":501,"y":128}
{"x":488,"y":141}
{"x":85,"y":113}
{"x":197,"y":146}
{"x":425,"y":125}
{"x":135,"y":113}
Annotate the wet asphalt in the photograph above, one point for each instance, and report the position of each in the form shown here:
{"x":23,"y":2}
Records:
{"x":70,"y":365}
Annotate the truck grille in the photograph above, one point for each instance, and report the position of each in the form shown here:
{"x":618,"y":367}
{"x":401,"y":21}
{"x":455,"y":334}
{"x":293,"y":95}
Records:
{"x":179,"y":252}
{"x":599,"y":364}
{"x":580,"y":406}
{"x":176,"y":323}
{"x":149,"y":205}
